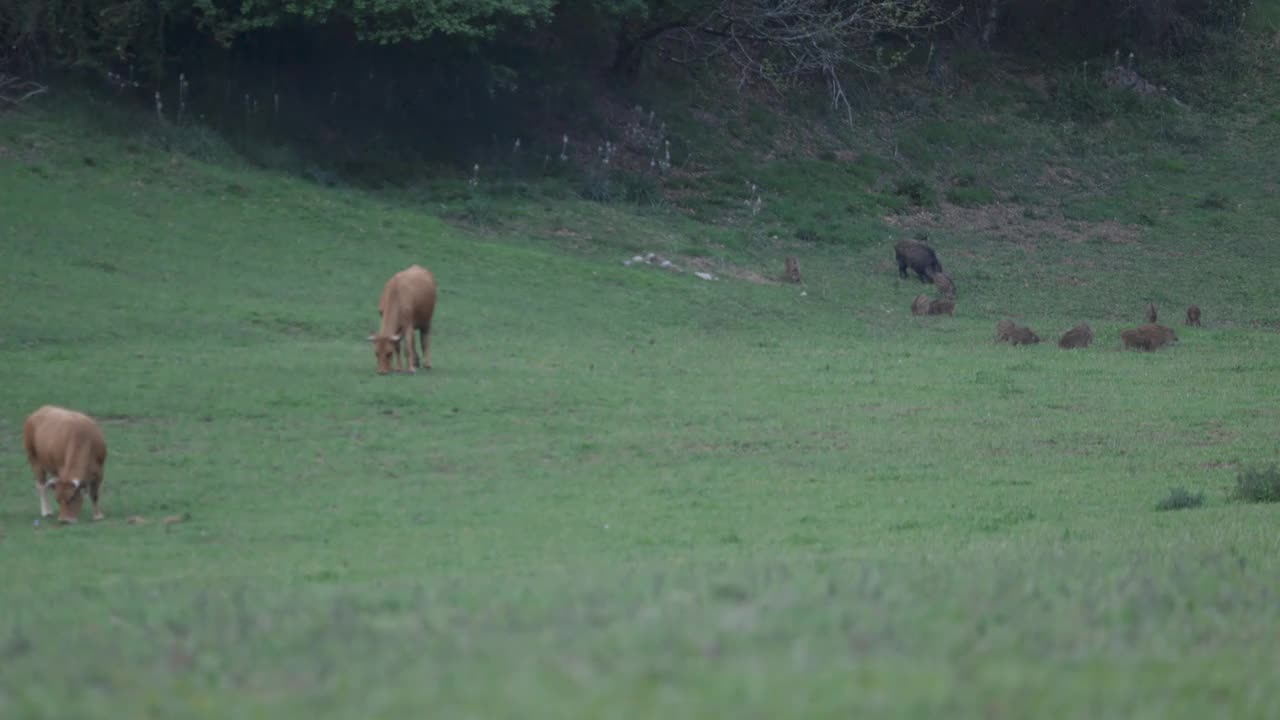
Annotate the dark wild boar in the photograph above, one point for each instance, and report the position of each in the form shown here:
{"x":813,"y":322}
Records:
{"x":1149,"y":337}
{"x":915,"y":255}
{"x":1015,"y":334}
{"x":1077,"y":337}
{"x":942,"y":307}
{"x":1193,"y":315}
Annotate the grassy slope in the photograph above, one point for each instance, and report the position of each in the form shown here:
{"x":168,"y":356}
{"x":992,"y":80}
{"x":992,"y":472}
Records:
{"x":627,"y":493}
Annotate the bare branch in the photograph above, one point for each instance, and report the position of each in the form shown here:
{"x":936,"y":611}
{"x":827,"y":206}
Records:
{"x":14,"y":91}
{"x":782,"y":41}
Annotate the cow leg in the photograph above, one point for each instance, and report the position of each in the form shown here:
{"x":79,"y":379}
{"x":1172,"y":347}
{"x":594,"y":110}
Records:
{"x":902,"y":269}
{"x":93,"y":495}
{"x":426,"y":344}
{"x":40,"y":491}
{"x":410,"y":361}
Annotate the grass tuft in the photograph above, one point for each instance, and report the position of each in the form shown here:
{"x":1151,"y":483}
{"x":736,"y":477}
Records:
{"x":1180,"y":498}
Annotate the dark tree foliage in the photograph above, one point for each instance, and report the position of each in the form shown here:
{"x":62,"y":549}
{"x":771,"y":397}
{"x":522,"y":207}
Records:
{"x":141,"y":32}
{"x":435,"y":79}
{"x":765,"y":39}
{"x":1090,"y":28}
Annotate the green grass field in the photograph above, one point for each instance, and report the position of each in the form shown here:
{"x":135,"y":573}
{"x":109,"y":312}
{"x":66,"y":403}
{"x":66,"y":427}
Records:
{"x":630,"y":493}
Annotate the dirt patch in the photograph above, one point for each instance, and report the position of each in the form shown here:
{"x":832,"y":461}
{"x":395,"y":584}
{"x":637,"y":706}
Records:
{"x":1014,"y":223}
{"x":121,"y":419}
{"x":101,"y":265}
{"x":726,"y":269}
{"x":1215,"y":437}
{"x":285,"y":325}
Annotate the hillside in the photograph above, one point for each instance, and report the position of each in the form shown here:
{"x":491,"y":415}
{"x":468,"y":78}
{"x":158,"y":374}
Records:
{"x":624,"y":491}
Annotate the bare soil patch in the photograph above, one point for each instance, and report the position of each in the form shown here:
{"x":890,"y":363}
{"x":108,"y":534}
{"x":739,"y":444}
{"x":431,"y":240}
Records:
{"x":1014,"y":223}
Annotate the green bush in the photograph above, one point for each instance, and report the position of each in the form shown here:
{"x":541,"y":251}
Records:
{"x":1258,"y":485}
{"x":970,"y":196}
{"x":1215,"y":200}
{"x":1180,"y":499}
{"x":917,"y":190}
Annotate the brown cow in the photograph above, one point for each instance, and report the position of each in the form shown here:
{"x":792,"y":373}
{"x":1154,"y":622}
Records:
{"x":1193,"y":315}
{"x":1148,"y":337}
{"x":407,"y":303}
{"x":1077,"y":337}
{"x":68,"y":446}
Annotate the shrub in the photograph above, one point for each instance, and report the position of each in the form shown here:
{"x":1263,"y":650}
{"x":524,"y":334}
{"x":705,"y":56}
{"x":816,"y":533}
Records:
{"x":1215,"y":201}
{"x":917,"y":191}
{"x":807,"y":234}
{"x":641,"y":189}
{"x":1257,"y":485}
{"x":1180,"y":499}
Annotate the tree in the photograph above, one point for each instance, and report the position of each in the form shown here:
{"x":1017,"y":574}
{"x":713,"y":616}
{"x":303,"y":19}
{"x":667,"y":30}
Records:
{"x":780,"y":41}
{"x":99,"y":32}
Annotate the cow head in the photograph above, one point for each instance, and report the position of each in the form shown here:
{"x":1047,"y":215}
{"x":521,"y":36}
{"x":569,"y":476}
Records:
{"x":70,"y":496}
{"x":384,"y":346}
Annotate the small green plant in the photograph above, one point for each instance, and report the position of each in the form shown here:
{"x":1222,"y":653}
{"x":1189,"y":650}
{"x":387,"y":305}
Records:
{"x":807,"y":234}
{"x":970,"y":196}
{"x":478,"y":211}
{"x":1257,"y":485}
{"x":645,"y":190}
{"x":1180,"y":498}
{"x":966,"y":178}
{"x":1215,"y":201}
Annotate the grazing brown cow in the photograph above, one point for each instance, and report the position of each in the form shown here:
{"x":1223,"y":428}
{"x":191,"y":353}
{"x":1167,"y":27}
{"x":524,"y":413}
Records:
{"x":1193,"y":315}
{"x":1077,"y":337}
{"x":920,"y":306}
{"x":68,"y":447}
{"x":407,"y":303}
{"x":1151,"y":312}
{"x":942,"y":307}
{"x":919,"y":257}
{"x":1148,"y":337}
{"x":1015,"y":334}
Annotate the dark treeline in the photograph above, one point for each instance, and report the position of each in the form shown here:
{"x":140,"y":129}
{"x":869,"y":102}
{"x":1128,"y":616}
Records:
{"x":453,"y":73}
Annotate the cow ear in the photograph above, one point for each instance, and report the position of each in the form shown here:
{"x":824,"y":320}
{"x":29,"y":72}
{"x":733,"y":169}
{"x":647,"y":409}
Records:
{"x":371,"y":338}
{"x":395,"y":338}
{"x":75,"y":483}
